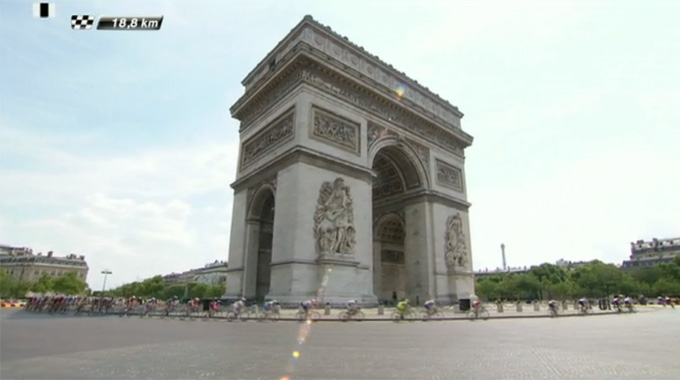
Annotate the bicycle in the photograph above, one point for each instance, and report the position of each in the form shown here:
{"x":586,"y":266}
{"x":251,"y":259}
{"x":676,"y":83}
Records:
{"x":434,"y":313}
{"x":482,"y":313}
{"x":630,"y":308}
{"x":242,"y":315}
{"x":408,"y":314}
{"x":553,"y":311}
{"x":585,"y":310}
{"x":273,"y":315}
{"x":346,"y":315}
{"x":303,"y":315}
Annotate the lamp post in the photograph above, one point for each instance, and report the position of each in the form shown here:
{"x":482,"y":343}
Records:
{"x":105,"y":272}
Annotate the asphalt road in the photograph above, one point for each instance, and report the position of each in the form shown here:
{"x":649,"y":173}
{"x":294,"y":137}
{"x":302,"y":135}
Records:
{"x":639,"y":346}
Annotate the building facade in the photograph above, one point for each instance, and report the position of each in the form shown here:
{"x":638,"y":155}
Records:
{"x":22,"y":265}
{"x":649,"y":253}
{"x":350,"y":182}
{"x":210,"y":274}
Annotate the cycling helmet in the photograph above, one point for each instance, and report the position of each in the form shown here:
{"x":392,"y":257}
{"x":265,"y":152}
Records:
{"x":243,"y":299}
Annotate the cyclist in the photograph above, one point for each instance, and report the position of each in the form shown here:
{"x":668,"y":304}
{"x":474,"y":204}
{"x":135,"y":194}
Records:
{"x":214,"y":307}
{"x":661,"y":301}
{"x":352,"y":307}
{"x":617,"y":303}
{"x":307,"y":305}
{"x":629,"y":303}
{"x":402,"y":307}
{"x":271,"y":307}
{"x":669,"y":302}
{"x":430,"y":307}
{"x":239,"y":306}
{"x":477,"y":307}
{"x":583,"y":304}
{"x":552,"y":305}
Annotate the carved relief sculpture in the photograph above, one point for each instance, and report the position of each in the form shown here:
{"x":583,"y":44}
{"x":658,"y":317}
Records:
{"x":449,"y":176}
{"x":455,"y":248}
{"x":269,"y":138}
{"x":334,"y":129}
{"x":334,"y":229}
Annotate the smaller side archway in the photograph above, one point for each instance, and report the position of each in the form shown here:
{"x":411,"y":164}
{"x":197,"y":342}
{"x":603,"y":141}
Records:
{"x":259,"y":250}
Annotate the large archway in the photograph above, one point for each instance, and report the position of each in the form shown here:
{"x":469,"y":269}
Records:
{"x":259,"y":253}
{"x":395,"y":177}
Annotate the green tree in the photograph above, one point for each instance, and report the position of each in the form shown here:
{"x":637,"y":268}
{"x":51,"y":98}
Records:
{"x":7,"y":285}
{"x":69,"y":284}
{"x":174,"y":291}
{"x":44,"y":284}
{"x":486,"y":289}
{"x":215,"y":291}
{"x":197,"y":290}
{"x":666,"y":286}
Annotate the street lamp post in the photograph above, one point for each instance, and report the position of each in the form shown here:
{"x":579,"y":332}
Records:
{"x":105,"y":272}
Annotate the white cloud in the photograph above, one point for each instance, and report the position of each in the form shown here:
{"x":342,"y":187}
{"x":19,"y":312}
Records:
{"x":138,"y":215}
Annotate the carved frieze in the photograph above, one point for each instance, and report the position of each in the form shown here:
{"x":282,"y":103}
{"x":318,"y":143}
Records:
{"x":449,"y":176}
{"x":346,"y":55}
{"x":393,"y":114}
{"x":455,"y":248}
{"x":334,"y":230}
{"x":268,"y":97}
{"x":271,"y":136}
{"x":336,"y":130}
{"x":375,"y":132}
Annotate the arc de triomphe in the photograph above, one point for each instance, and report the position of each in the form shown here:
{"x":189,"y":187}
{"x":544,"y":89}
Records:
{"x":350,"y":182}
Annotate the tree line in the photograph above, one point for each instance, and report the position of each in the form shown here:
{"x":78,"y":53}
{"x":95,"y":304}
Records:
{"x":68,"y":284}
{"x":158,"y":288}
{"x":595,"y":279}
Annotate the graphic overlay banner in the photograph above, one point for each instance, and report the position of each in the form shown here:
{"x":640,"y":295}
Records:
{"x":43,"y":10}
{"x":82,"y":22}
{"x":130,"y":23}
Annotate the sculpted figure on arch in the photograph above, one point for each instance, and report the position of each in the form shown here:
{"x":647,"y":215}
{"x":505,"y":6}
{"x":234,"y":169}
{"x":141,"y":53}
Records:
{"x":456,"y":250}
{"x":334,"y":229}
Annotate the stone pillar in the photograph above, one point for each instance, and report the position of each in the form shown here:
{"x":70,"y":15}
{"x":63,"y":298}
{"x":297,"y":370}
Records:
{"x":417,"y":247}
{"x":299,"y":270}
{"x":251,"y":254}
{"x":377,"y":271}
{"x":237,"y":246}
{"x":519,"y":306}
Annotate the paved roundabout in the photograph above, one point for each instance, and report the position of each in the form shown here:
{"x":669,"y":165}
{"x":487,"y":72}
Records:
{"x":638,"y":346}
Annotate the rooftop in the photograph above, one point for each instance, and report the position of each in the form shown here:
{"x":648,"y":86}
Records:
{"x":440,"y":107}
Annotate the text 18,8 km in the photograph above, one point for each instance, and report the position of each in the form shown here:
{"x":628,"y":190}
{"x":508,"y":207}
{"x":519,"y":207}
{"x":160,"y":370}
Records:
{"x":130,"y":23}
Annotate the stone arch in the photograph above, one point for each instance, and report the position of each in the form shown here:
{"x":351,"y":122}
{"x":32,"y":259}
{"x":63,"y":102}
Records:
{"x":389,"y":260}
{"x":258,"y":197}
{"x":405,"y":154}
{"x":260,"y":222}
{"x":384,"y":221}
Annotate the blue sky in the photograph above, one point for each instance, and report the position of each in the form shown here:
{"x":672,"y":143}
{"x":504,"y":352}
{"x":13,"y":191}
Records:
{"x":120,"y":145}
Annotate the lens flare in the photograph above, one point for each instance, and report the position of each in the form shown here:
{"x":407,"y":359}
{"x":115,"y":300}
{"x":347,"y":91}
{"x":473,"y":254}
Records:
{"x":285,"y":378}
{"x":400,"y":91}
{"x":296,"y":354}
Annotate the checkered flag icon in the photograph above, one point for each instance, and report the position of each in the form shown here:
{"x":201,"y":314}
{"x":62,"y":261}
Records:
{"x":82,"y":22}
